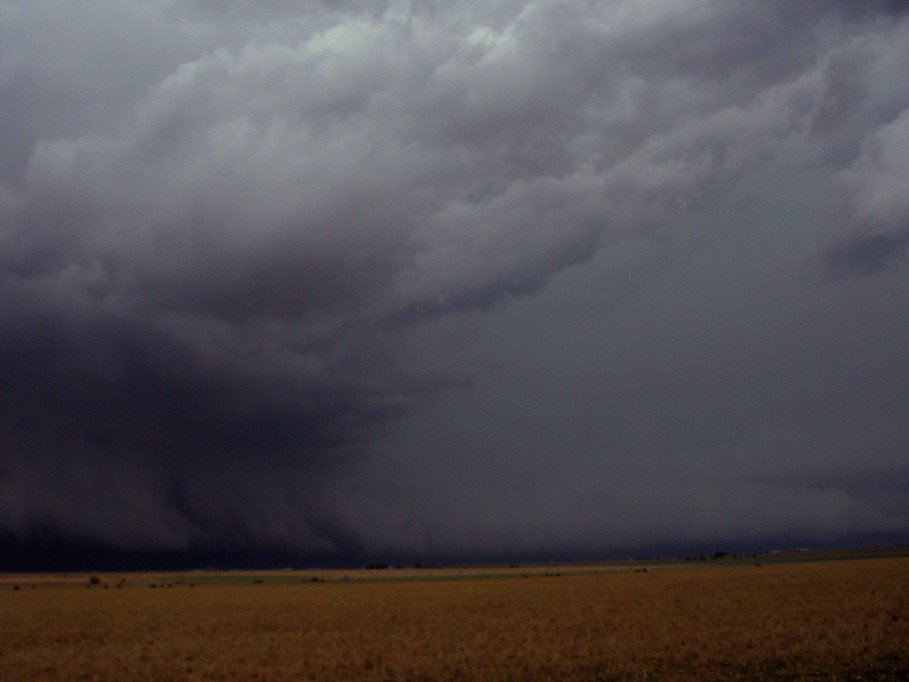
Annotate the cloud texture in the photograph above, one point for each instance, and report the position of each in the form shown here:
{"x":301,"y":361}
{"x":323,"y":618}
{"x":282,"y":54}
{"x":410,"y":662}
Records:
{"x":446,"y":278}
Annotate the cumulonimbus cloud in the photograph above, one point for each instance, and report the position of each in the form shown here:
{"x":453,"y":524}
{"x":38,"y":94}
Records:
{"x":214,"y":271}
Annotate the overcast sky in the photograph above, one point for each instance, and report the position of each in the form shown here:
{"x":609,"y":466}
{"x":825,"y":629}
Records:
{"x":453,"y":278}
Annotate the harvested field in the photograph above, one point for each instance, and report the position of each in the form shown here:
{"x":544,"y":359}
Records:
{"x":821,"y":620}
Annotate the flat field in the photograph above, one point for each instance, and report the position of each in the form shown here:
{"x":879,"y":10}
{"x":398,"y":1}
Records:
{"x":829,"y":619}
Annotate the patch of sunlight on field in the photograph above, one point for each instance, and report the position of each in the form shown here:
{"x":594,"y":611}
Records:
{"x":833,"y":620}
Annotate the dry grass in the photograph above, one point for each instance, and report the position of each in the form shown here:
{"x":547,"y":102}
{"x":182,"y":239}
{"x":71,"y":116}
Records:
{"x":835,"y":620}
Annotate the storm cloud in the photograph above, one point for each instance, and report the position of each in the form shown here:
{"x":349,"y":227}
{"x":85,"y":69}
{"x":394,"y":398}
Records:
{"x":452,"y":279}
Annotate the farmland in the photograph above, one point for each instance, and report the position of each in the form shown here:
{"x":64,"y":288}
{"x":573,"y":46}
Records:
{"x":832,"y":618}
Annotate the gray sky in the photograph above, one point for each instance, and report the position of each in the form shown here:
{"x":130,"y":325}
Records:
{"x":456,"y":279}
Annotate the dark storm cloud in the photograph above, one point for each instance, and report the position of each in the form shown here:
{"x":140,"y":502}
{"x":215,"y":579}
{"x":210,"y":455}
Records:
{"x":249,"y":249}
{"x":885,"y":490}
{"x":868,"y":255}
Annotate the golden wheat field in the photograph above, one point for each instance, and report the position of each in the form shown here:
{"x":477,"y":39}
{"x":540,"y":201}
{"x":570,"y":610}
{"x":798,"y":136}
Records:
{"x":821,"y":620}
